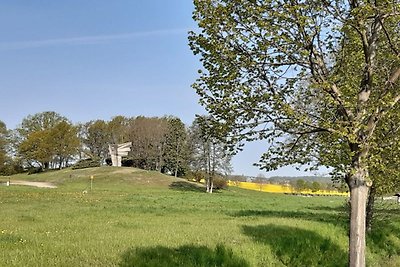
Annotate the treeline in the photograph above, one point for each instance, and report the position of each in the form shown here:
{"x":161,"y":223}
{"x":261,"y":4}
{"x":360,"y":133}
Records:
{"x":49,"y":140}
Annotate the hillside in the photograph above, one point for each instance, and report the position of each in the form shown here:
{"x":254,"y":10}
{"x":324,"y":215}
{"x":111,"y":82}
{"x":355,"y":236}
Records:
{"x":106,"y":176}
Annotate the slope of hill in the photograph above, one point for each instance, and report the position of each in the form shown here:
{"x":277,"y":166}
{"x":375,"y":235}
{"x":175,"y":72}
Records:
{"x":105,"y":175}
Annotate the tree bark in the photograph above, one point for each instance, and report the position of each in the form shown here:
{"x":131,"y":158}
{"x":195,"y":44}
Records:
{"x":370,"y":208}
{"x":358,"y":201}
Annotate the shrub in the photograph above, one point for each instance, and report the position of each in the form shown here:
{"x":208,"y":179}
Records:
{"x":196,"y":176}
{"x":109,"y":161}
{"x":11,"y":167}
{"x":86,"y":163}
{"x":219,"y":183}
{"x":34,"y":170}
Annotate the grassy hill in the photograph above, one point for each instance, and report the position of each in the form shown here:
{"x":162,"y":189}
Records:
{"x":138,"y":218}
{"x":103,"y":174}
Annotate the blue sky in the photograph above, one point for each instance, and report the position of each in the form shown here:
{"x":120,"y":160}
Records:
{"x":96,"y":59}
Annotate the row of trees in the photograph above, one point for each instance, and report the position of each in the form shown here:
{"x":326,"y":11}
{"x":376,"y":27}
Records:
{"x":48,"y":140}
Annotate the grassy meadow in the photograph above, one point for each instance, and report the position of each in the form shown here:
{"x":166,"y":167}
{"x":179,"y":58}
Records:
{"x":139,"y":218}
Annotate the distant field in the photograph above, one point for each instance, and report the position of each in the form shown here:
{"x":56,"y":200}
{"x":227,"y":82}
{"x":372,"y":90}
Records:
{"x":139,"y":218}
{"x":286,"y":189}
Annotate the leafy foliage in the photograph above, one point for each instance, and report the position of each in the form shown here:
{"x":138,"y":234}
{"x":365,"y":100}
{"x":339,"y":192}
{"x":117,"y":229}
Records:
{"x":318,"y":79}
{"x":96,"y":136}
{"x":208,"y":152}
{"x":176,"y":151}
{"x":86,"y":163}
{"x":47,"y":139}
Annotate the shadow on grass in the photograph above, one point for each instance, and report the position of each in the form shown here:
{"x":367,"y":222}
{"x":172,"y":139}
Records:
{"x":298,"y":247}
{"x":329,"y":209}
{"x":383,"y":239}
{"x":339,"y":219}
{"x":183,"y":256}
{"x":186,"y":186}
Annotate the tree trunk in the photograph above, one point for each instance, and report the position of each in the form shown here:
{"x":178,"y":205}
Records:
{"x":211,"y":185}
{"x":370,"y":208}
{"x":60,"y":163}
{"x":358,"y":201}
{"x":208,"y":184}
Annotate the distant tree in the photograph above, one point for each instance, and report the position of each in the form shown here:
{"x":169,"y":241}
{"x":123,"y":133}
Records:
{"x":300,"y":185}
{"x":36,"y":149}
{"x":208,"y":153}
{"x":237,"y":178}
{"x":315,"y":186}
{"x":3,"y":144}
{"x":176,"y":151}
{"x":260,"y":179}
{"x":64,"y":141}
{"x":46,"y":139}
{"x":95,"y":136}
{"x":148,"y":137}
{"x":117,"y":129}
{"x":38,"y":122}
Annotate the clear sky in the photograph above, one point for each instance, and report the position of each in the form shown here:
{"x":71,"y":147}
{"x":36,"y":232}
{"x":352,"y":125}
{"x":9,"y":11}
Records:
{"x":96,"y":59}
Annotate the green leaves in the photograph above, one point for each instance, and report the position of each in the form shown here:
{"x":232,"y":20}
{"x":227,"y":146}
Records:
{"x":294,"y":73}
{"x":48,"y":137}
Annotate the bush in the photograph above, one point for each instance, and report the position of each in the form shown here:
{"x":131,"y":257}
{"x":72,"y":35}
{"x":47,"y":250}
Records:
{"x":86,"y":163}
{"x":195,"y":176}
{"x":34,"y":170}
{"x":11,"y":167}
{"x":219,"y":183}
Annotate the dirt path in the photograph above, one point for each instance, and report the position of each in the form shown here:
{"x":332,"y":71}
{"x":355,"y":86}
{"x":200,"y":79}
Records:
{"x":36,"y":184}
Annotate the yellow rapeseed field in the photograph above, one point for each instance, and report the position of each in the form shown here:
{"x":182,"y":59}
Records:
{"x":275,"y":188}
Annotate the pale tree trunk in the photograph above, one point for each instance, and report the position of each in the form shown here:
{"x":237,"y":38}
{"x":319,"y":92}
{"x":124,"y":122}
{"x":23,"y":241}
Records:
{"x":359,"y":187}
{"x":209,"y":188}
{"x":211,"y":185}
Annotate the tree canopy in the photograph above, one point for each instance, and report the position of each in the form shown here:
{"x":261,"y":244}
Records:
{"x":47,"y":139}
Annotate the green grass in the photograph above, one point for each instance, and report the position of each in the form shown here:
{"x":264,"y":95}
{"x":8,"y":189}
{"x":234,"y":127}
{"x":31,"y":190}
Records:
{"x":139,"y":218}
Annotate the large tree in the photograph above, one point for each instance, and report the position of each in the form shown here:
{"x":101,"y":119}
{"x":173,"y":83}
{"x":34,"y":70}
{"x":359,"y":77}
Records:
{"x":46,"y":139}
{"x":318,"y":79}
{"x":65,"y":143}
{"x":148,"y":141}
{"x":176,"y":151}
{"x":117,"y":127}
{"x":39,"y":121}
{"x":96,"y":136}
